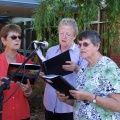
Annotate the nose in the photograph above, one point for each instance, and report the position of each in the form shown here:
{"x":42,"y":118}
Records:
{"x":81,"y":47}
{"x":64,"y":36}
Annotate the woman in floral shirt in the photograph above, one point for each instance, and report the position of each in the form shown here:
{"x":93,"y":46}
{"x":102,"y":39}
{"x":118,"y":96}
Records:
{"x":98,"y":85}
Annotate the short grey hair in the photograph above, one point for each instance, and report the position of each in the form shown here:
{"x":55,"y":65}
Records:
{"x":93,"y":35}
{"x":69,"y":22}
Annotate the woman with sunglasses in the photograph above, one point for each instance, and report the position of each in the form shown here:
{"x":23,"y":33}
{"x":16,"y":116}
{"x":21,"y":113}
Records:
{"x":97,"y":94}
{"x":67,"y":32}
{"x":17,"y":107}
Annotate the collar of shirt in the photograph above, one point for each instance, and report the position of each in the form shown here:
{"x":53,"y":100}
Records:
{"x":72,"y":47}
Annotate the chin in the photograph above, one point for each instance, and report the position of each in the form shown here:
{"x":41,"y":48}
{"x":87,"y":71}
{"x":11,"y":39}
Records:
{"x":83,"y":56}
{"x":16,"y":49}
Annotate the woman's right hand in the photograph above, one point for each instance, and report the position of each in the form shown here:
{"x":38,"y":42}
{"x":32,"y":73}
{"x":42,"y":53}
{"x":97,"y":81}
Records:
{"x":62,"y":96}
{"x":41,"y":74}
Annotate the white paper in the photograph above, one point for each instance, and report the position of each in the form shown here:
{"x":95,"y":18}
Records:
{"x":39,"y":53}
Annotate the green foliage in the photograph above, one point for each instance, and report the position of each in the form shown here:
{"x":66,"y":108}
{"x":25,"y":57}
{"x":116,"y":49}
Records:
{"x":49,"y":13}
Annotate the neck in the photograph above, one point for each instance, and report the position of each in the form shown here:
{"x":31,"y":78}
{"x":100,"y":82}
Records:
{"x":94,"y":60}
{"x":10,"y":56}
{"x":64,"y":48}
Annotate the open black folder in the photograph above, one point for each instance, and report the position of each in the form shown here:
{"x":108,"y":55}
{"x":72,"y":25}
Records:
{"x":54,"y":65}
{"x":29,"y":71}
{"x":59,"y":83}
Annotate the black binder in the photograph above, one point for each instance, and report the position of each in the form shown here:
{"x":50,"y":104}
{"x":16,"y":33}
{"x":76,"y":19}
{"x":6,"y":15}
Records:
{"x":59,"y":83}
{"x":54,"y":65}
{"x":30,"y":71}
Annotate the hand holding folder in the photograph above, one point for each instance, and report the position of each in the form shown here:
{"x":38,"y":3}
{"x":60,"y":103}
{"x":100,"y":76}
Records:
{"x":59,"y":84}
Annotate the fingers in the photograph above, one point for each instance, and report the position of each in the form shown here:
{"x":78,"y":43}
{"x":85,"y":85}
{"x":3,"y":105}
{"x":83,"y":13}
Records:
{"x":75,"y":93}
{"x":23,"y":87}
{"x":69,"y":62}
{"x":41,"y":73}
{"x":70,"y":66}
{"x":61,"y":96}
{"x":5,"y":78}
{"x":1,"y":82}
{"x":27,"y":86}
{"x":28,"y":82}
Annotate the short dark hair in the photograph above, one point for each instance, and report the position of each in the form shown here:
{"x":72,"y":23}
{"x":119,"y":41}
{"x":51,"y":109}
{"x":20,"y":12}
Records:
{"x":92,"y":35}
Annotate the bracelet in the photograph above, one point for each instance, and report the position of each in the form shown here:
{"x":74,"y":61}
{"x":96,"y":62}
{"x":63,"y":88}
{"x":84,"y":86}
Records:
{"x":94,"y":100}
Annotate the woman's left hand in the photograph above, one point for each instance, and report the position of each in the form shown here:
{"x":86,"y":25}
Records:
{"x":27,"y":88}
{"x":71,"y":66}
{"x":80,"y":94}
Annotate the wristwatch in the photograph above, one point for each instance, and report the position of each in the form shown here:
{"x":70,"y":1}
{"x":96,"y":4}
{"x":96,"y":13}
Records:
{"x":94,"y":100}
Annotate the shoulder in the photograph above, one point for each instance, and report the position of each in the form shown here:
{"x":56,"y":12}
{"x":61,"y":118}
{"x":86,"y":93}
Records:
{"x":51,"y":52}
{"x":107,"y":61}
{"x":53,"y":48}
{"x":2,"y":56}
{"x":108,"y":67}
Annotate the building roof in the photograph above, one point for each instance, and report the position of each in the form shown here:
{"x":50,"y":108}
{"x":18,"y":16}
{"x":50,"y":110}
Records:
{"x":23,"y":3}
{"x":18,"y":8}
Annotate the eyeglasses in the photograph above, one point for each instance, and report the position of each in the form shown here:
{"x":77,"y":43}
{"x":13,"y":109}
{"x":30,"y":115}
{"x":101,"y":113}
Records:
{"x":67,"y":34}
{"x":85,"y":44}
{"x":15,"y":37}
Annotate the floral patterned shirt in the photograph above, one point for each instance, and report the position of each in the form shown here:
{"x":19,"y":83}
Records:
{"x":102,"y":79}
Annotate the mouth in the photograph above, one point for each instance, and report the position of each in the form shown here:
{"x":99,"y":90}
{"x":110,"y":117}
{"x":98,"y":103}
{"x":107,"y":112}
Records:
{"x":63,"y":41}
{"x":83,"y":52}
{"x":17,"y":44}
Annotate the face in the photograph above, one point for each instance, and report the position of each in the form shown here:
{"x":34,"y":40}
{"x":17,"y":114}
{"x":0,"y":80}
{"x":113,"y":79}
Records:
{"x":66,"y":35}
{"x":12,"y":41}
{"x":87,"y":49}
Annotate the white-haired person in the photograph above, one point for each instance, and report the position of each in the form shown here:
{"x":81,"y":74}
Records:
{"x":67,"y":32}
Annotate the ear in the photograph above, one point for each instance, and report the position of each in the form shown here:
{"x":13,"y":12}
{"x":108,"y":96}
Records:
{"x":98,"y":46}
{"x":3,"y":41}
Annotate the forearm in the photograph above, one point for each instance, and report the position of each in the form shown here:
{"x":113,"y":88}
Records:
{"x":111,"y":103}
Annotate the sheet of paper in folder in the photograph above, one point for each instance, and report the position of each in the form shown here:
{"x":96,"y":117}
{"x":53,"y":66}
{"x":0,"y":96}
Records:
{"x":30,"y":71}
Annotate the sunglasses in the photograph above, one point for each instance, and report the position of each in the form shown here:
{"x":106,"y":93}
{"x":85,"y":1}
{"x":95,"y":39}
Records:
{"x":85,"y":44}
{"x":15,"y":37}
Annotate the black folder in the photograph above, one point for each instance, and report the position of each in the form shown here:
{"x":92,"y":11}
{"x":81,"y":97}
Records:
{"x":29,"y":71}
{"x":59,"y":83}
{"x":54,"y":65}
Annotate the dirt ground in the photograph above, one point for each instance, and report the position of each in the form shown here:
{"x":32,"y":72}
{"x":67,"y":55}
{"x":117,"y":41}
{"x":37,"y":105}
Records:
{"x":40,"y":116}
